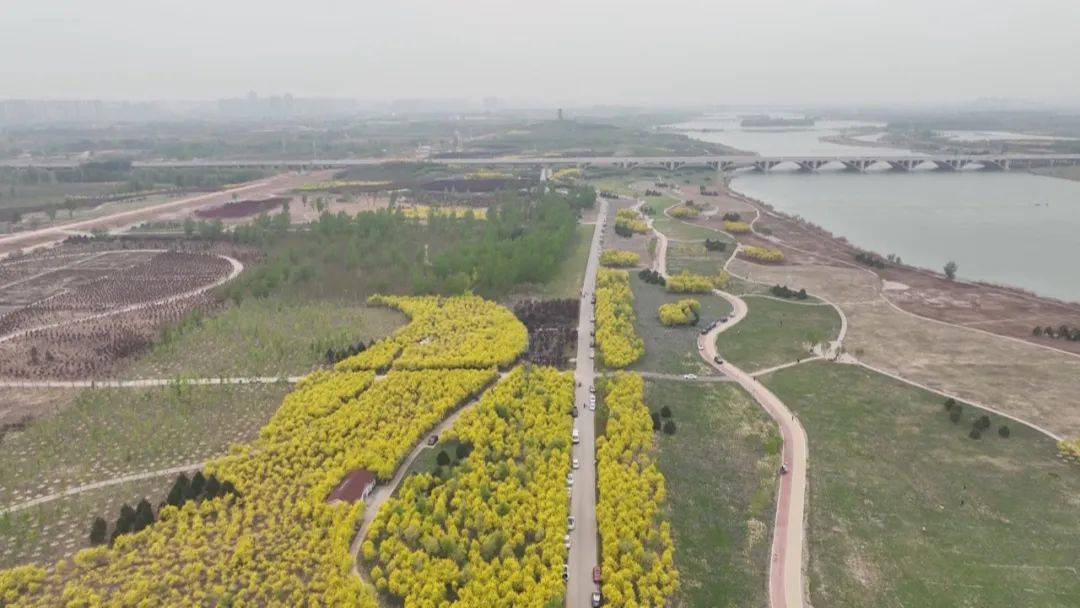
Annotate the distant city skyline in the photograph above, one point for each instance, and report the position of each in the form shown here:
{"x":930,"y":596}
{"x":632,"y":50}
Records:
{"x":561,"y":53}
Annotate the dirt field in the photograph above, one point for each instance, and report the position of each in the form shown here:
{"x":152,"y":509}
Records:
{"x":1031,"y":383}
{"x":77,"y":313}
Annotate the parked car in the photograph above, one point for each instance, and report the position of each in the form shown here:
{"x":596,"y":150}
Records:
{"x":570,"y":522}
{"x":700,"y":346}
{"x":689,"y":376}
{"x":596,"y":574}
{"x":574,"y":411}
{"x":566,"y":541}
{"x":596,"y":599}
{"x":565,"y":573}
{"x":718,"y":360}
{"x":569,"y":479}
{"x":577,"y":436}
{"x":575,"y":464}
{"x":433,"y":439}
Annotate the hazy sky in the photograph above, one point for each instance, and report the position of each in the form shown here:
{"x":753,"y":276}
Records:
{"x":565,"y":51}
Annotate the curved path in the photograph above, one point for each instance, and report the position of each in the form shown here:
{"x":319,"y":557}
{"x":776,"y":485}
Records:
{"x":382,"y":492}
{"x":237,"y":268}
{"x":785,"y":564}
{"x":40,"y":500}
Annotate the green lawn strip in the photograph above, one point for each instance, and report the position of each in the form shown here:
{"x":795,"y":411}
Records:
{"x":776,"y":332}
{"x":571,"y":273}
{"x":720,"y":467}
{"x":114,"y":432}
{"x":671,"y":350}
{"x":906,"y":510}
{"x":264,"y":337}
{"x":42,"y":535}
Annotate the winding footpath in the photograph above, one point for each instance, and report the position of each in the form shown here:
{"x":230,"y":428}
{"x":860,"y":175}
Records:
{"x":40,"y":500}
{"x":789,"y":536}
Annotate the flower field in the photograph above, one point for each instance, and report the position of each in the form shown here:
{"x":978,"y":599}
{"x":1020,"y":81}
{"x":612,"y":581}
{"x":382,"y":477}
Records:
{"x":488,"y":532}
{"x":461,"y":331}
{"x":619,"y":259}
{"x":277,"y":542}
{"x":616,"y":339}
{"x":638,"y":554}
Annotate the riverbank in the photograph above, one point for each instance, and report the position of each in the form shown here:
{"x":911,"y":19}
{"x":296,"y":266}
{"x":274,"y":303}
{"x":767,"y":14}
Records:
{"x":1001,"y":310}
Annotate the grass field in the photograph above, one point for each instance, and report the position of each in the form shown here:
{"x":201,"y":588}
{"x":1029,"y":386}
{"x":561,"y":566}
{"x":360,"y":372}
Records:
{"x":567,"y":280}
{"x":109,"y":433}
{"x":906,"y":510}
{"x":671,"y":350}
{"x":44,"y":534}
{"x":775,"y":332}
{"x":694,"y":257}
{"x":720,"y":467}
{"x":265,"y":337}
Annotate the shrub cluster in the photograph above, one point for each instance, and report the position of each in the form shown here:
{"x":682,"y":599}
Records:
{"x":684,"y":212}
{"x":1063,"y":332}
{"x":783,"y":291}
{"x":869,"y":259}
{"x":619,"y":259}
{"x":686,"y":282}
{"x":761,"y":254}
{"x":736,"y":227}
{"x":715,"y":245}
{"x":652,"y":277}
{"x":628,"y":222}
{"x":683,"y":312}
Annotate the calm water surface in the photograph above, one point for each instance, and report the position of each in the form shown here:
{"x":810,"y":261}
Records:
{"x":1010,"y":228}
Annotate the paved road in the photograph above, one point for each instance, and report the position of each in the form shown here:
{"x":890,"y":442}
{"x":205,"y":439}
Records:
{"x":785,"y":565}
{"x":584,"y":552}
{"x":29,"y":239}
{"x":383,"y":492}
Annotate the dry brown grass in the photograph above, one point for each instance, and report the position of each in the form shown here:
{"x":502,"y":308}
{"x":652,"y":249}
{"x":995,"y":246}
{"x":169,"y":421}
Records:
{"x":1031,"y":383}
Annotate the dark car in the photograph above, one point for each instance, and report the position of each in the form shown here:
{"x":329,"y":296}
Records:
{"x":718,"y":360}
{"x":432,"y":440}
{"x":574,"y":411}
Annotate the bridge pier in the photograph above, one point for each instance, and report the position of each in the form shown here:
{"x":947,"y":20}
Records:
{"x":905,"y":165}
{"x":995,"y":164}
{"x":811,"y":165}
{"x":952,"y":164}
{"x":858,"y":164}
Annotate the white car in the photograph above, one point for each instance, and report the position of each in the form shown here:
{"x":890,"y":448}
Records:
{"x":689,"y":376}
{"x":592,"y":405}
{"x":575,"y":464}
{"x":566,"y":541}
{"x":569,"y":479}
{"x":570,"y":522}
{"x":700,"y":346}
{"x":592,"y":388}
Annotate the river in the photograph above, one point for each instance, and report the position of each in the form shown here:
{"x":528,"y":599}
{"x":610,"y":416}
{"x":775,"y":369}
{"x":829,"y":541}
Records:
{"x":1010,"y":228}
